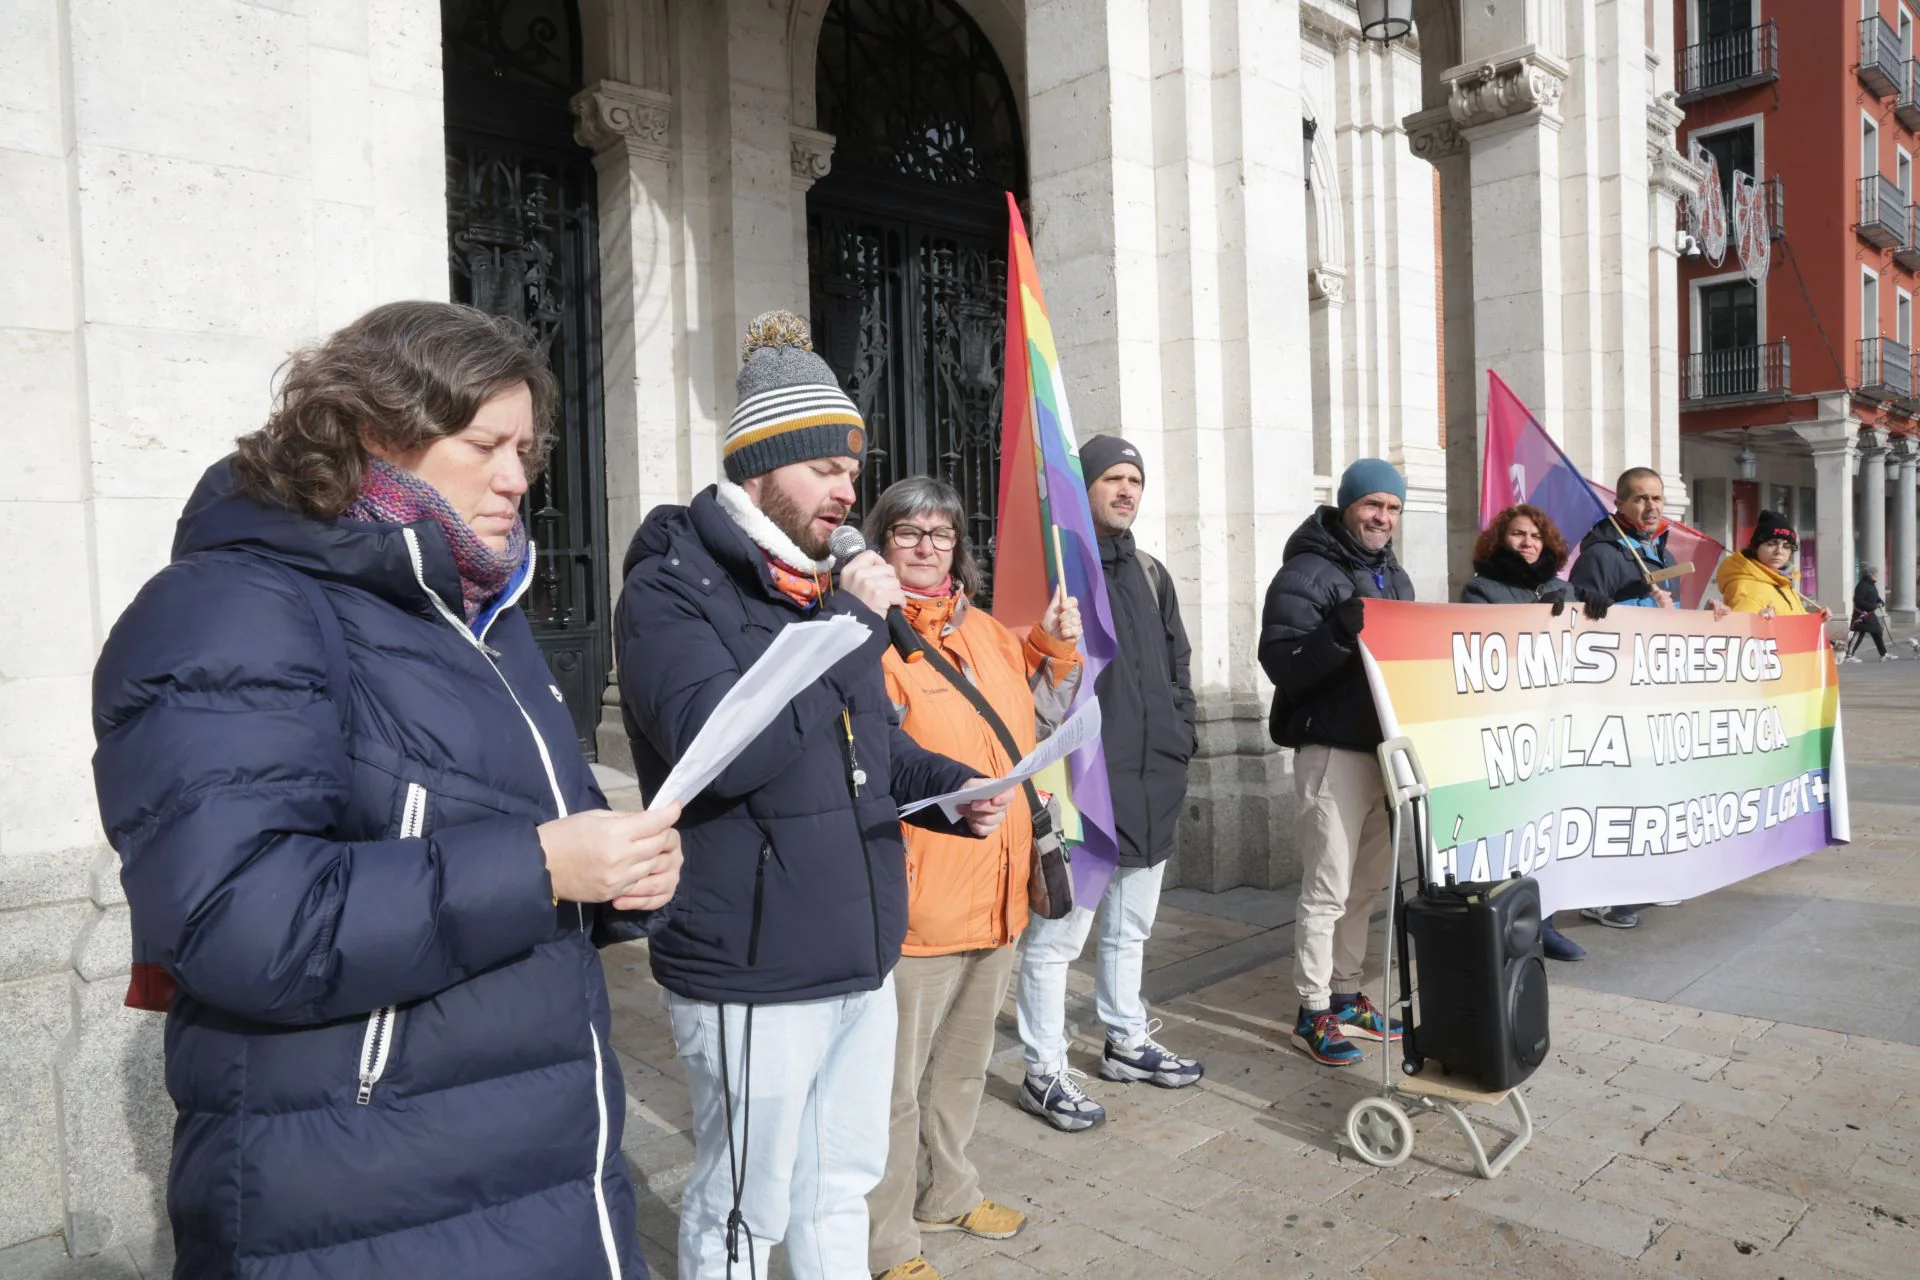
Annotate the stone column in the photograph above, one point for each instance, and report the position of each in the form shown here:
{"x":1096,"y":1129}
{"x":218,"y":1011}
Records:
{"x":1506,"y":108}
{"x":1835,"y":447}
{"x":1873,"y":498}
{"x":1434,"y":136}
{"x":628,"y":129}
{"x":812,"y":161}
{"x":1671,"y":176}
{"x":1326,"y":299}
{"x":1900,"y":589}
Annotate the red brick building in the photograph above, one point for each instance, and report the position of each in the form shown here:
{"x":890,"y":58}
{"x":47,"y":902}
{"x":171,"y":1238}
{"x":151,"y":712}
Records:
{"x":1798,"y":392}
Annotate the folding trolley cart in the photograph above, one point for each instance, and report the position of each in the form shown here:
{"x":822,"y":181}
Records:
{"x":1378,"y":1127}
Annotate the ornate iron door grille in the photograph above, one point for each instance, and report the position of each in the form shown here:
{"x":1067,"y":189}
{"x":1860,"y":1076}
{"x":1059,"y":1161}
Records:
{"x":906,"y":241}
{"x":523,"y":242}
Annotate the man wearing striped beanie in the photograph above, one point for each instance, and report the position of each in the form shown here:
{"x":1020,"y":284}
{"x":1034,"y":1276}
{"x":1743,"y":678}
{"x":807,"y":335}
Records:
{"x":793,"y":906}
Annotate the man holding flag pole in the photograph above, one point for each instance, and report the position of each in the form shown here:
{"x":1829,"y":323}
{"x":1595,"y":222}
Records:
{"x":1066,"y":515}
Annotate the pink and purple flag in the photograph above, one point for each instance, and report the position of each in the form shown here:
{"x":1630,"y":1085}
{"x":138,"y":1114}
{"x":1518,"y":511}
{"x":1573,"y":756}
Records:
{"x":1046,"y":536}
{"x":1523,"y":464}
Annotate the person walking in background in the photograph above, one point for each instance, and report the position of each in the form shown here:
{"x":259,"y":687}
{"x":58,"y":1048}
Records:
{"x":966,"y":899}
{"x":777,"y":966}
{"x":1515,"y":561}
{"x":1760,"y":577}
{"x":1867,"y":604}
{"x":366,"y":861}
{"x":1322,"y":707}
{"x":1147,"y":730}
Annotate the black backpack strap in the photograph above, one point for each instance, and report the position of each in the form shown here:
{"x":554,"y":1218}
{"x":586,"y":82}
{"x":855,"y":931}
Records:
{"x":1042,"y":819}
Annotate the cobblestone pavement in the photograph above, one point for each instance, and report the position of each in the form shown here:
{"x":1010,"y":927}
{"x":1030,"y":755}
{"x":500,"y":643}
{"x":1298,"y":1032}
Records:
{"x":1734,"y":1092}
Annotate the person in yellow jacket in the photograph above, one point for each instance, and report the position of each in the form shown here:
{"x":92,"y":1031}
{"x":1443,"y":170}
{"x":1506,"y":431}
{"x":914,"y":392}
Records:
{"x":966,"y":899}
{"x":1761,"y":579}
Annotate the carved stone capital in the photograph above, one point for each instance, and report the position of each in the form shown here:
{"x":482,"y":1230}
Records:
{"x":1904,"y":453}
{"x":608,"y":114}
{"x":1873,"y":443}
{"x":1434,"y":135}
{"x":1326,"y":284}
{"x":1513,"y":84}
{"x":812,"y":156}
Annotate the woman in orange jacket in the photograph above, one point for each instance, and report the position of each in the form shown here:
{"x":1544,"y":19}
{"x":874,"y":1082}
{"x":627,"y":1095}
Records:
{"x":966,"y":899}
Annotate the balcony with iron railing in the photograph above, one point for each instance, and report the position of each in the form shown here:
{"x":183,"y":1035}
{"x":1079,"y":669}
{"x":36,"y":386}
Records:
{"x":1882,"y":68}
{"x":1886,"y":370}
{"x":1907,"y":252}
{"x":1737,"y":373}
{"x":1906,"y":103}
{"x":1883,"y":212}
{"x":1738,"y":60}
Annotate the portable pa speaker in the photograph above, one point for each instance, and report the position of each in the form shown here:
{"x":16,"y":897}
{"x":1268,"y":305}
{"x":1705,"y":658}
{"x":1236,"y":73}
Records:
{"x":1482,"y":980}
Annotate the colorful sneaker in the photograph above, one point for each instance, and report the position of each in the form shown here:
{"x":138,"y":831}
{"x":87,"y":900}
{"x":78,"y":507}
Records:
{"x":987,"y":1220}
{"x":1058,"y":1100}
{"x":1320,"y":1035}
{"x":1362,"y":1019}
{"x":1612,"y":917}
{"x":1150,"y":1062}
{"x":915,"y":1269}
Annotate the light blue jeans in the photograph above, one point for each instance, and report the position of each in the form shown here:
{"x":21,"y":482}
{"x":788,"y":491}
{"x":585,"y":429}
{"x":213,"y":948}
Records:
{"x":817,"y":1143}
{"x":1126,"y":919}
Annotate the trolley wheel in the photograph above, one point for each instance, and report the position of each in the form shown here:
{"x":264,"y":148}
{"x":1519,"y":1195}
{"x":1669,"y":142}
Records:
{"x":1379,"y":1131}
{"x":1413,"y":1066}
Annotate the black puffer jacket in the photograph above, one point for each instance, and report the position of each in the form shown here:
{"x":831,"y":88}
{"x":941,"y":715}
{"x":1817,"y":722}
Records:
{"x":1866,"y":595}
{"x":794,"y":888}
{"x":1320,"y":694}
{"x":1146,"y":705}
{"x":1504,"y":578}
{"x":1609,"y":566}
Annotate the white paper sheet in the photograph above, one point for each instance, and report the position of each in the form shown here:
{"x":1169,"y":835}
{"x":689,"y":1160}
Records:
{"x":1082,"y":727}
{"x":798,"y":656}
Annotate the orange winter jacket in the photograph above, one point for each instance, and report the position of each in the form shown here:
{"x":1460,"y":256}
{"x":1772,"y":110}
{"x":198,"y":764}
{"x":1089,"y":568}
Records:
{"x":965,"y":894}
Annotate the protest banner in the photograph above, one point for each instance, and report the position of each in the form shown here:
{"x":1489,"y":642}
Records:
{"x":1654,"y":755}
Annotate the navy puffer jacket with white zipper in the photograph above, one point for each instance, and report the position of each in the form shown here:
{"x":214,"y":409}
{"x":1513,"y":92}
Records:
{"x":388,"y":1046}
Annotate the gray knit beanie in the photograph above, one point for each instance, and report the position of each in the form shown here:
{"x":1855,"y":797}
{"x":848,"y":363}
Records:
{"x":1100,"y":454}
{"x":790,"y":407}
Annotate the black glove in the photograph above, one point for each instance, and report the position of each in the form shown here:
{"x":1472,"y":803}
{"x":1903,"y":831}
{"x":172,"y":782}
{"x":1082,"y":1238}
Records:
{"x":1594,"y":603}
{"x":1348,"y":618}
{"x":1559,"y":605}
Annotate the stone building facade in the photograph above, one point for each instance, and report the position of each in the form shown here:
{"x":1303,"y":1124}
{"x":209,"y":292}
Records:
{"x":1233,"y":206}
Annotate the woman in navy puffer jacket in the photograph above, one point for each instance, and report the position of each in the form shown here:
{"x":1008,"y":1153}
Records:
{"x":339,"y":778}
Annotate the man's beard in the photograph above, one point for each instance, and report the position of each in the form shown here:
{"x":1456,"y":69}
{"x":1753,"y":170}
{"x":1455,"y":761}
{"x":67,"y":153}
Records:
{"x":777,"y":505}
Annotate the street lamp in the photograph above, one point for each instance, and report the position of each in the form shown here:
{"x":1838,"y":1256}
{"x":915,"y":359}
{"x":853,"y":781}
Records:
{"x":1747,"y":461}
{"x":1385,"y":20}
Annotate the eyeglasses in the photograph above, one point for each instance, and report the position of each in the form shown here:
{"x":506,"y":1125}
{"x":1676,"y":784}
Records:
{"x":909,"y":535}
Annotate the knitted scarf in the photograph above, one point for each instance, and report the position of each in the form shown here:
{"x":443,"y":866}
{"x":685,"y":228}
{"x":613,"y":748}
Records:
{"x":389,"y":495}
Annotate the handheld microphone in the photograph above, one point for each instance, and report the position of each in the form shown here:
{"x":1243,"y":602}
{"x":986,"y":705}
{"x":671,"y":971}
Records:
{"x":843,"y":545}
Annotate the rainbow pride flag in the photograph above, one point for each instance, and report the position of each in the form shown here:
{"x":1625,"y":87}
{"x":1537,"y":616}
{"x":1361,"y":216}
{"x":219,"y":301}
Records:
{"x":1650,"y":756}
{"x":1524,"y":464}
{"x":1046,"y":536}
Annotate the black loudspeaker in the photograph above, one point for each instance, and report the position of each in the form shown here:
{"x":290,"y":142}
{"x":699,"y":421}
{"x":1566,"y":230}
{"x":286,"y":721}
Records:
{"x":1481,"y":980}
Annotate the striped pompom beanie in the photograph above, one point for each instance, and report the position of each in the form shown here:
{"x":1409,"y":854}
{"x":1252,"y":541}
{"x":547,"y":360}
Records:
{"x":790,"y":406}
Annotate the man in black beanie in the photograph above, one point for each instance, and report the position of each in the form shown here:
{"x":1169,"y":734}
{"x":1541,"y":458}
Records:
{"x":1147,"y":729}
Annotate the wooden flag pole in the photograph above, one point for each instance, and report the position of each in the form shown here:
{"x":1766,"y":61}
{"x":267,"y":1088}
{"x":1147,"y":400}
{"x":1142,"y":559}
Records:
{"x":1654,"y":577}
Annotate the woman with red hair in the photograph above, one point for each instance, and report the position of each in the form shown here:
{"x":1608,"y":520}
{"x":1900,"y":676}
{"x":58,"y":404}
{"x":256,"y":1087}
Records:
{"x":1516,"y":561}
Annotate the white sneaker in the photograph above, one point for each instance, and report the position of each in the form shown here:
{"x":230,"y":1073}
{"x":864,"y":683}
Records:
{"x":1889,"y":657}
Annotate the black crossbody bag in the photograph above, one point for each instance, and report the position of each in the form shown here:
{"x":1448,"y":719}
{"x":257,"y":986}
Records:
{"x":1050,"y":887}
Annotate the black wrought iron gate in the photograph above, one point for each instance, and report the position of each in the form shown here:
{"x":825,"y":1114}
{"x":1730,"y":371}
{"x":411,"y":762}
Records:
{"x":521,"y":206}
{"x":906,"y":240}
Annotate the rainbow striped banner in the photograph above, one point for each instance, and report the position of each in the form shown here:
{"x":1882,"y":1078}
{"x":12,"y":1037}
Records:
{"x":1046,"y":536}
{"x":1651,"y":756}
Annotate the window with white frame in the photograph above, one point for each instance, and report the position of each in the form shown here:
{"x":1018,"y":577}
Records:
{"x":1869,"y":147}
{"x":1903,"y":174}
{"x":1903,"y":318}
{"x":1870,"y":304}
{"x":1906,"y":37}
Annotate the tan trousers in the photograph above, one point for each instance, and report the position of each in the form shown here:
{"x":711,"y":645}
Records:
{"x":947,"y":1009}
{"x":1344,"y":856}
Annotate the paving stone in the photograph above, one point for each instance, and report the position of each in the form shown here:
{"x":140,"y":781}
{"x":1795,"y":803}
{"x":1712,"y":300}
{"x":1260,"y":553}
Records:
{"x":1880,"y":1247}
{"x":1757,"y":1103}
{"x":1432,"y":1226}
{"x":1657,"y":1143}
{"x":1317,"y":1231}
{"x":1696,"y":1200}
{"x":1618,"y":1230}
{"x":1702,"y":1255}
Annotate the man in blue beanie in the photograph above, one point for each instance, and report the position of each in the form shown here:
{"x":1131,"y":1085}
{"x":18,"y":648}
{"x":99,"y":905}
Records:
{"x":1322,"y":707}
